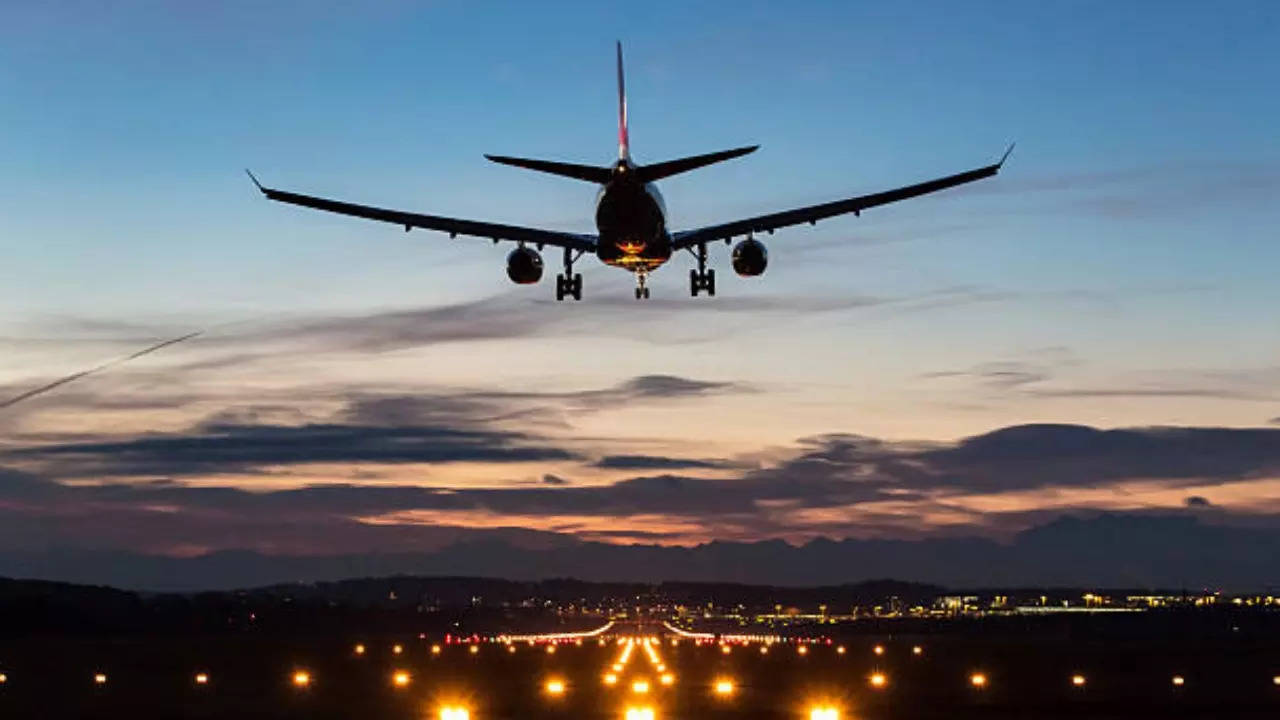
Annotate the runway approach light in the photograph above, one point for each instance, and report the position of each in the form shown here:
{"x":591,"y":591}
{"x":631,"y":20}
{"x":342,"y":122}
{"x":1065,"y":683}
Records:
{"x":1078,"y":680}
{"x":640,"y":687}
{"x":1179,"y":681}
{"x":202,"y":678}
{"x":723,"y":688}
{"x":978,"y":680}
{"x":401,"y":679}
{"x":451,"y":712}
{"x":823,"y":712}
{"x":610,"y":679}
{"x":878,"y":680}
{"x":100,"y":679}
{"x":301,"y":679}
{"x":638,"y":713}
{"x":555,"y":687}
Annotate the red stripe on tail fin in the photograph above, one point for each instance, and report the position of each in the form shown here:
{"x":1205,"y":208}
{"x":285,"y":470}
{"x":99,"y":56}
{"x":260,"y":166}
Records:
{"x":624,"y":142}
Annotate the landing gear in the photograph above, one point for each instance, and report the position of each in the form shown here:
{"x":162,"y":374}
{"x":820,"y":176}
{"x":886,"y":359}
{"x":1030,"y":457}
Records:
{"x":568,"y":284}
{"x":642,"y":290}
{"x":702,"y":278}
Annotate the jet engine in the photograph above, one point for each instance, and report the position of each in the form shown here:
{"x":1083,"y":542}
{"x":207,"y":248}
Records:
{"x":750,"y":258}
{"x":524,"y":266}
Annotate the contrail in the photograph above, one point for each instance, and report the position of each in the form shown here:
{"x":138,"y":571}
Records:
{"x":105,"y":366}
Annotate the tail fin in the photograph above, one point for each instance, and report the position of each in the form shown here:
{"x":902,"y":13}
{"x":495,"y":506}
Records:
{"x":624,"y":142}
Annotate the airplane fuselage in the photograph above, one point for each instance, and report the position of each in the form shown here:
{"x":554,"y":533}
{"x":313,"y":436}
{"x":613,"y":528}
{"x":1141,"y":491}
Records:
{"x":631,"y":219}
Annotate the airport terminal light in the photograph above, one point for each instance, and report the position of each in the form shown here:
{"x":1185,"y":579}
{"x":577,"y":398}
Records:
{"x":454,"y":712}
{"x":824,"y":712}
{"x":878,"y":680}
{"x":1078,"y":680}
{"x":723,"y":687}
{"x":301,"y":678}
{"x":639,"y":713}
{"x":555,"y":687}
{"x":978,"y":680}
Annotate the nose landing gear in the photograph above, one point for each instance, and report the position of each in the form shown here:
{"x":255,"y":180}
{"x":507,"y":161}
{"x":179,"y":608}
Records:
{"x":642,"y":291}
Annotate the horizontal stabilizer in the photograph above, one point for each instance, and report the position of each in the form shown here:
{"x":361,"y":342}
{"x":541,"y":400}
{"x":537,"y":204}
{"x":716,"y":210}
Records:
{"x":590,"y":173}
{"x":657,"y":171}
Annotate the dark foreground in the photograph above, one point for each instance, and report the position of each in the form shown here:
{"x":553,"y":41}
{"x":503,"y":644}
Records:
{"x":1228,"y":671}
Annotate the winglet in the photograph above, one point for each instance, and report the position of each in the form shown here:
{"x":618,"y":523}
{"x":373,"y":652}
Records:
{"x":255,"y":181}
{"x":1005,"y":156}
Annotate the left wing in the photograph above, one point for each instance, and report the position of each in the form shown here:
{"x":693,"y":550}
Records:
{"x":814,"y":213}
{"x":453,"y":226}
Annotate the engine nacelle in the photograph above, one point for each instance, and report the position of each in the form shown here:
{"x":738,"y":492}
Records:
{"x":750,"y":258}
{"x":524,"y":266}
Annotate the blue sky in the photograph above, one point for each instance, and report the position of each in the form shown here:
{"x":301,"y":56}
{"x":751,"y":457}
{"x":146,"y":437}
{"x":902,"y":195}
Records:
{"x":1119,"y":272}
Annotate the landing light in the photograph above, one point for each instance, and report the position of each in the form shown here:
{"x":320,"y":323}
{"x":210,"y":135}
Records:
{"x":454,"y":713}
{"x":840,"y":650}
{"x":401,"y":679}
{"x":917,"y":650}
{"x":1274,"y":681}
{"x":5,"y":678}
{"x":726,"y":649}
{"x":764,"y":649}
{"x":824,"y":712}
{"x":551,"y":649}
{"x":511,"y":649}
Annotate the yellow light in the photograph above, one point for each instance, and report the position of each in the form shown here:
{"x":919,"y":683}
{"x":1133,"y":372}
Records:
{"x":638,"y":713}
{"x":640,"y":687}
{"x":723,"y":688}
{"x":450,"y":712}
{"x":978,"y":680}
{"x":879,"y":649}
{"x":100,"y":679}
{"x":662,"y":668}
{"x":1179,"y":681}
{"x":551,"y":649}
{"x":301,"y":678}
{"x":878,"y":680}
{"x":667,"y":679}
{"x":202,"y":678}
{"x":610,"y":679}
{"x":400,"y":678}
{"x":555,"y":687}
{"x":617,"y":667}
{"x":475,"y":649}
{"x":359,"y":649}
{"x":397,"y":649}
{"x":511,"y":649}
{"x":840,"y":650}
{"x":1274,"y":681}
{"x":824,"y":712}
{"x":764,"y":649}
{"x":726,"y":649}
{"x":3,"y":678}
{"x":917,"y":650}
{"x":1078,"y":680}
{"x":803,"y":649}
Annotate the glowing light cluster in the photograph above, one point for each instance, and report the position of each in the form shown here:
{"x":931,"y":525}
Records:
{"x":878,"y":680}
{"x":978,"y":680}
{"x":824,"y":712}
{"x":202,"y":678}
{"x":554,"y":687}
{"x":723,"y":687}
{"x":301,"y":678}
{"x":100,"y":678}
{"x":454,"y":712}
{"x":401,"y":678}
{"x":639,"y":713}
{"x":1078,"y":680}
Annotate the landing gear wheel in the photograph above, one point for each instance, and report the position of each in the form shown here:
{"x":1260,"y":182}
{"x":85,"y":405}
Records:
{"x":576,"y":291}
{"x":638,"y":293}
{"x":710,"y":283}
{"x":560,"y":288}
{"x":693,"y":283}
{"x":646,"y":293}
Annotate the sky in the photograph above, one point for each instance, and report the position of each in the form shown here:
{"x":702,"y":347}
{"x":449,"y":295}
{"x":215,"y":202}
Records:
{"x":973,"y":362}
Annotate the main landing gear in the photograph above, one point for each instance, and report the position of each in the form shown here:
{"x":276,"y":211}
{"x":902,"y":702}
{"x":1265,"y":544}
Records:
{"x":642,"y":291}
{"x":702,"y":278}
{"x":567,"y":283}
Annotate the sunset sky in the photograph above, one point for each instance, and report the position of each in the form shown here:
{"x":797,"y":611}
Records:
{"x":360,"y":388}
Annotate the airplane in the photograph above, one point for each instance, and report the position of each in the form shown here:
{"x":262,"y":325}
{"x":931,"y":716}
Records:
{"x":630,"y":216}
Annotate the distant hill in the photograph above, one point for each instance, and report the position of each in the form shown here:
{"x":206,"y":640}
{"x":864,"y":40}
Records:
{"x":1177,"y":551}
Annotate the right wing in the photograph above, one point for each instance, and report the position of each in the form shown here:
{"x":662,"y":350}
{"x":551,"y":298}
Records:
{"x":453,"y":226}
{"x":814,"y":213}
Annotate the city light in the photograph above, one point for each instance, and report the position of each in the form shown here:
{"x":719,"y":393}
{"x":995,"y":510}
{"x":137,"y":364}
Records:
{"x":610,"y":679}
{"x":878,"y":680}
{"x":202,"y":678}
{"x":555,"y":687}
{"x":617,"y":667}
{"x":453,"y":712}
{"x":511,"y":649}
{"x":823,"y":712}
{"x":840,"y":650}
{"x":726,"y":649}
{"x":3,"y":678}
{"x":475,"y":649}
{"x":764,"y":649}
{"x":301,"y":678}
{"x":978,"y":680}
{"x":1274,"y":681}
{"x":879,"y":649}
{"x":803,"y":650}
{"x":100,"y":679}
{"x":401,"y":678}
{"x":1078,"y":680}
{"x":667,"y":679}
{"x":1179,"y":681}
{"x":359,"y":649}
{"x":397,"y":649}
{"x":917,"y":650}
{"x":638,"y":713}
{"x":551,"y":649}
{"x":723,"y":687}
{"x":640,"y":687}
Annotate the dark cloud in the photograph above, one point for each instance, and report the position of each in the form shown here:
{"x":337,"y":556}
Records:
{"x":1197,"y":501}
{"x":550,"y":479}
{"x":653,"y":462}
{"x":1274,"y":421}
